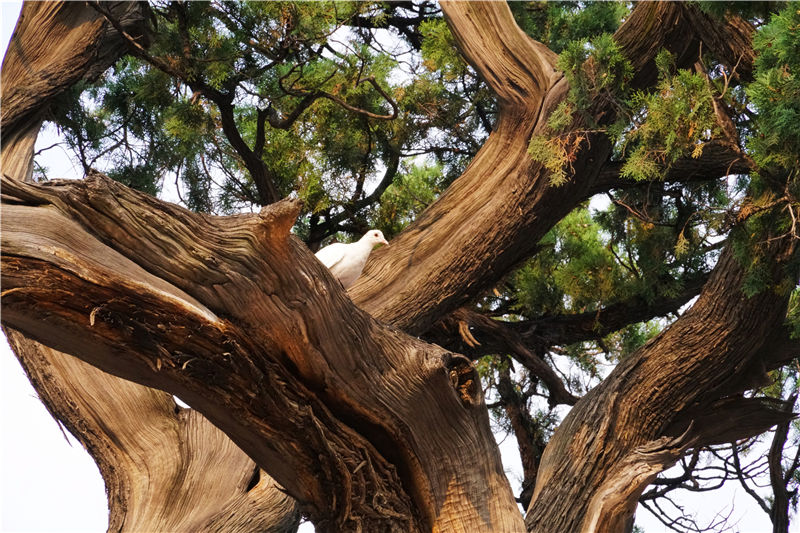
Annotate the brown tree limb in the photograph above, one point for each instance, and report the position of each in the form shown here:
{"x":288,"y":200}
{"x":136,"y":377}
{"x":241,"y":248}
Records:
{"x":672,"y":388}
{"x":263,"y":179}
{"x":154,"y":306}
{"x":729,"y":39}
{"x":716,"y":161}
{"x":530,"y":439}
{"x":492,"y":216}
{"x":497,"y":338}
{"x":779,"y":349}
{"x":780,"y":477}
{"x":34,"y":71}
{"x":525,"y":338}
{"x":165,"y":468}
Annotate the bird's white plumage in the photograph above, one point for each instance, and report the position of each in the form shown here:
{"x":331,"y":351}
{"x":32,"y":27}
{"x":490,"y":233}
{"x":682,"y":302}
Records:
{"x":346,"y":261}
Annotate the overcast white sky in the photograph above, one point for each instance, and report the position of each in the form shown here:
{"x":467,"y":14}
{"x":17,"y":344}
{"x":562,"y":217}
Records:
{"x":50,"y":484}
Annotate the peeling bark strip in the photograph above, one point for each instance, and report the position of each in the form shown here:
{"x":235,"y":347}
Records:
{"x":209,"y":308}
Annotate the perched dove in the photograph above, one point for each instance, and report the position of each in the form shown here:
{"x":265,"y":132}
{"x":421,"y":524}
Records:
{"x":346,"y":261}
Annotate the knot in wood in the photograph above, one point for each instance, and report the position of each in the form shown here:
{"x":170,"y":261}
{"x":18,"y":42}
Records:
{"x":464,"y":378}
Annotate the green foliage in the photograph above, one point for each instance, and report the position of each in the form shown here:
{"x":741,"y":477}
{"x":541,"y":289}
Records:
{"x":595,"y":259}
{"x":292,"y":73}
{"x":677,"y":120}
{"x":198,"y":189}
{"x":557,"y":24}
{"x":561,"y":117}
{"x":793,"y":314}
{"x":761,"y":219}
{"x":439,"y":50}
{"x":775,"y":92}
{"x":552,"y":155}
{"x":633,"y":337}
{"x":592,"y":68}
{"x":409,"y":195}
{"x":755,"y":11}
{"x":774,"y":144}
{"x":447,"y":95}
{"x":575,"y":271}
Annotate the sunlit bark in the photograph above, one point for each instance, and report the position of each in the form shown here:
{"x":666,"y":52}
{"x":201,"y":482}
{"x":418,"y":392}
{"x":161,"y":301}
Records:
{"x":366,"y":427}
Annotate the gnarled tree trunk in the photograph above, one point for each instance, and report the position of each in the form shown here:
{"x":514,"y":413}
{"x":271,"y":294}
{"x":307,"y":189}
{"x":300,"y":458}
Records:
{"x":366,"y":427}
{"x":165,"y":468}
{"x":681,"y":390}
{"x":236,"y":317}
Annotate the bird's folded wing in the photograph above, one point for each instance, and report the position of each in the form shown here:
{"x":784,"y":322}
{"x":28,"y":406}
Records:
{"x":331,"y":255}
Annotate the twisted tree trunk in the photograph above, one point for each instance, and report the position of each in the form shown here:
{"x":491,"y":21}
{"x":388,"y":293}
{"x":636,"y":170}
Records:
{"x":235,"y":316}
{"x":165,"y":468}
{"x":368,"y":428}
{"x":681,"y":390}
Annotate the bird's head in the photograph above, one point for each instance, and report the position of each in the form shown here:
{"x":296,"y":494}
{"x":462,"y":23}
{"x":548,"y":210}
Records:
{"x":374,"y":236}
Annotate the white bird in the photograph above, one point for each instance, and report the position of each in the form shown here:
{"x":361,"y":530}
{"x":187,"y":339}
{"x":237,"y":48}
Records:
{"x":346,"y":261}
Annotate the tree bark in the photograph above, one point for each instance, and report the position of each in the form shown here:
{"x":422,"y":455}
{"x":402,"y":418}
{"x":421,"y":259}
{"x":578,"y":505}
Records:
{"x":54,"y":45}
{"x":165,"y":469}
{"x":493,"y":216}
{"x":233,"y":315}
{"x":681,"y":390}
{"x":367,"y":427}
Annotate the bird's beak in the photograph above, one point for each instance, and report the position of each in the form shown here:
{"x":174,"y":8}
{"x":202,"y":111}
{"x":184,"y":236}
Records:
{"x":384,"y":241}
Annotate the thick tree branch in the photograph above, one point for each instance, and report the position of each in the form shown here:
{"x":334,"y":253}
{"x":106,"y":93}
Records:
{"x":779,"y":512}
{"x":165,"y":468}
{"x":679,"y":386}
{"x":530,"y":438}
{"x":568,"y":329}
{"x":505,"y":200}
{"x":498,"y":339}
{"x":681,"y":28}
{"x":155,"y":304}
{"x":34,"y":72}
{"x":780,"y":349}
{"x":542,"y":333}
{"x":716,"y":161}
{"x":264,"y":181}
{"x":523,"y":69}
{"x":730,"y":40}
